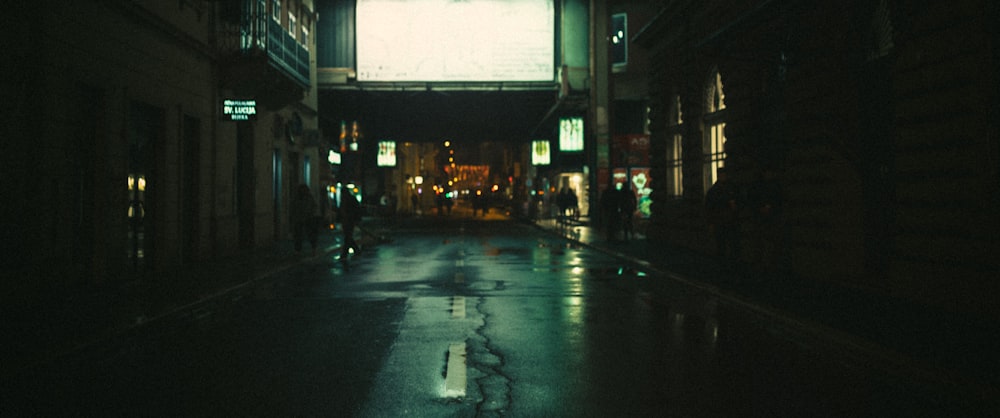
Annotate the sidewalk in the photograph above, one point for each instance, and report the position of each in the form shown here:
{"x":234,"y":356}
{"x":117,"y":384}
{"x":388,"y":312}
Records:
{"x":41,"y":327}
{"x":962,"y":351}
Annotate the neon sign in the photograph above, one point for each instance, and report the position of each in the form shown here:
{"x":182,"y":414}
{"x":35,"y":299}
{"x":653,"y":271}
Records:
{"x":238,"y":110}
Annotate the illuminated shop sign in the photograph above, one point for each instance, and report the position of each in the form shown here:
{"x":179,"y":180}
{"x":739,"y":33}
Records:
{"x":540,"y":153}
{"x":239,"y":109}
{"x":571,"y":134}
{"x":333,"y":157}
{"x":386,"y":154}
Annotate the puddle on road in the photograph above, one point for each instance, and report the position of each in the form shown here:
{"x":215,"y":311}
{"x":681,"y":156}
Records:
{"x":511,"y":251}
{"x":599,"y":273}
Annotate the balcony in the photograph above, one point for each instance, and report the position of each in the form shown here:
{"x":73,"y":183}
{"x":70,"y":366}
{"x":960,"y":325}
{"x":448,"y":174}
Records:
{"x":287,"y":54}
{"x":260,"y":59}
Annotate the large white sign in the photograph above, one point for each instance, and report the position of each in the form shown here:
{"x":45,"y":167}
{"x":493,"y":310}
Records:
{"x":448,"y":40}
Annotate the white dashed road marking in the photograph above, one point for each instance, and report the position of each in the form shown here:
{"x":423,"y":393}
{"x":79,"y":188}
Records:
{"x":458,"y":307}
{"x":454,"y":382}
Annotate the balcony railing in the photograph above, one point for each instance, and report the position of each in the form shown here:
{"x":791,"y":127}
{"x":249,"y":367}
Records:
{"x":259,"y":32}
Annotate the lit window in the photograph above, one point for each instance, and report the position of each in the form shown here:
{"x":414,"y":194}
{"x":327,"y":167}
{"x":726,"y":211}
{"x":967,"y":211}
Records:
{"x":305,"y":36}
{"x":716,"y":98}
{"x":880,"y":42}
{"x":258,"y":38}
{"x":715,"y":129}
{"x":675,"y":150}
{"x":715,"y":153}
{"x":677,"y":114}
{"x":675,"y":166}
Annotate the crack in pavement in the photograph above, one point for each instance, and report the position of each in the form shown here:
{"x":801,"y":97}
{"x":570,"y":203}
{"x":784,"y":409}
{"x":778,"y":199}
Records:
{"x":495,"y":386}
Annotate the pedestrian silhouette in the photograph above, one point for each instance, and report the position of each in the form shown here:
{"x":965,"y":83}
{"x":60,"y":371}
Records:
{"x":562,"y":201}
{"x":722,"y":214}
{"x":439,"y":202}
{"x":349,"y":215}
{"x":627,"y":206}
{"x":574,"y":205}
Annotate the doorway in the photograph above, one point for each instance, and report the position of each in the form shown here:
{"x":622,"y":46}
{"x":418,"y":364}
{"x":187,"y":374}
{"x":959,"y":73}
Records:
{"x":190,"y":183}
{"x":245,"y":187}
{"x":146,"y":126}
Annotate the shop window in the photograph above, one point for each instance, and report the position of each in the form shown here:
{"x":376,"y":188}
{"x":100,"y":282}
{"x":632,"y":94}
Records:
{"x":715,"y":129}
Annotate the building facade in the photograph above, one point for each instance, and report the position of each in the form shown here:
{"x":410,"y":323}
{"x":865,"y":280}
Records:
{"x":870,"y":125}
{"x":628,"y":68}
{"x":129,"y":161}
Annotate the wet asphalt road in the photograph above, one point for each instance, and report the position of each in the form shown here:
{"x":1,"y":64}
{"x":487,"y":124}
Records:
{"x":470,"y":317}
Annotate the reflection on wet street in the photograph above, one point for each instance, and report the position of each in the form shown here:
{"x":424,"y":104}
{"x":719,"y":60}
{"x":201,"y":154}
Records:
{"x":557,"y":329}
{"x":463,"y":317}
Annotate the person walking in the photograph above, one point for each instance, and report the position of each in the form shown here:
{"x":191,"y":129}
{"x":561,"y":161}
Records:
{"x":627,"y":206}
{"x":305,"y":219}
{"x":562,"y":201}
{"x":349,"y":215}
{"x":574,"y":205}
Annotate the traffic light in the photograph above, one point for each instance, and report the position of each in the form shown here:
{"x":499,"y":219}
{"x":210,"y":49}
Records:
{"x":619,"y":39}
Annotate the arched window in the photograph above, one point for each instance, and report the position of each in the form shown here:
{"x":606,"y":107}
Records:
{"x":675,"y":154}
{"x":715,"y":129}
{"x":880,"y":42}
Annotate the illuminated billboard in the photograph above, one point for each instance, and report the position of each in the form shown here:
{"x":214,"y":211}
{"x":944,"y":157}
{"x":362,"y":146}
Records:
{"x":540,"y":153}
{"x":571,"y":134}
{"x":447,"y":40}
{"x":386,"y":154}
